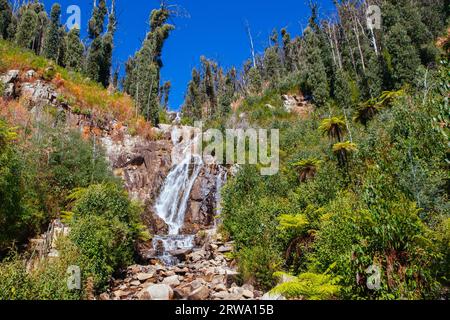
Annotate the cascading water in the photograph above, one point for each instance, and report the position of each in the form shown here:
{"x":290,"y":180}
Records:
{"x":172,"y":203}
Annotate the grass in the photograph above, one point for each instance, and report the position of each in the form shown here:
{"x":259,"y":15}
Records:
{"x":82,"y":94}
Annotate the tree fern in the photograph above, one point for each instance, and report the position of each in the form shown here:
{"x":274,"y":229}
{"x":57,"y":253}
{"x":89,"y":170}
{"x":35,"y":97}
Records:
{"x":333,"y":127}
{"x":310,"y":286}
{"x":296,"y":223}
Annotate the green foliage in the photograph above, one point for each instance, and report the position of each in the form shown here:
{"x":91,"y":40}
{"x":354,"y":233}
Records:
{"x":26,"y":29}
{"x":309,"y":286}
{"x":5,"y":18}
{"x":74,"y":60}
{"x":316,"y":83}
{"x":307,"y":168}
{"x":143,"y":70}
{"x":47,"y":281}
{"x":104,"y":227}
{"x":257,"y":265}
{"x":295,"y":223}
{"x":14,"y":216}
{"x":53,"y":40}
{"x":385,"y":233}
{"x":334,"y":128}
{"x":405,"y":58}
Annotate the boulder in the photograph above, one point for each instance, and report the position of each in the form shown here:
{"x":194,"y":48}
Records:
{"x":272,"y":297}
{"x":199,"y":294}
{"x":8,"y":91}
{"x":231,"y":276}
{"x":157,"y":292}
{"x":10,"y":77}
{"x":30,"y":74}
{"x":172,"y":281}
{"x":197,"y":284}
{"x":144,"y":276}
{"x":225,"y":249}
{"x":222,"y":295}
{"x":181,"y":254}
{"x":248,"y":294}
{"x":181,"y":293}
{"x":220,"y":287}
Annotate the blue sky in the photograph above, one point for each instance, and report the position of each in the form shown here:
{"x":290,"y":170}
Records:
{"x":215,"y":29}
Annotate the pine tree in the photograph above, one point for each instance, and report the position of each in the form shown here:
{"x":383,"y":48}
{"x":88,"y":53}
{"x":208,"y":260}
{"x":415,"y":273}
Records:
{"x":74,"y":60}
{"x":210,"y":91}
{"x":53,"y":40}
{"x":342,"y":90}
{"x":403,"y":55}
{"x":316,"y":82}
{"x":41,"y":31}
{"x":99,"y":56}
{"x":165,"y":93}
{"x":6,"y":17}
{"x":108,"y":46}
{"x":254,"y":81}
{"x":96,"y":23}
{"x":192,"y":107}
{"x":143,"y":78}
{"x":26,"y":29}
{"x":62,"y":50}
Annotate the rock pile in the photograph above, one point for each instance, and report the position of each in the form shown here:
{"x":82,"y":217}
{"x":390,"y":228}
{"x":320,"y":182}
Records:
{"x":207,"y":274}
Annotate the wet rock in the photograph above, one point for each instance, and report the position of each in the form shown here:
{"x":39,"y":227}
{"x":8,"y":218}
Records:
{"x":181,"y":255}
{"x":201,"y":293}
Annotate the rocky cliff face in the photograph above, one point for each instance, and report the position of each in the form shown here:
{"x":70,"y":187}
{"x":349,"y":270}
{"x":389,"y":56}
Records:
{"x":142,"y":164}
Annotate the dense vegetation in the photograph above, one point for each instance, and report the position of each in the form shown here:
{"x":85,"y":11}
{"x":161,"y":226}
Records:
{"x":363,"y":179}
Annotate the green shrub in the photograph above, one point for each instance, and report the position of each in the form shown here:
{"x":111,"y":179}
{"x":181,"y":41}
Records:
{"x":309,"y":286}
{"x":47,"y":281}
{"x":15,"y":283}
{"x":257,"y":264}
{"x":105,"y":245}
{"x":387,"y":233}
{"x":105,"y":224}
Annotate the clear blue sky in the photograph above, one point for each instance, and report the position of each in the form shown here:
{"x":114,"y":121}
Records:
{"x":215,"y":29}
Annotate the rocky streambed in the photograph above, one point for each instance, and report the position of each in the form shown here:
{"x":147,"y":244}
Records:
{"x":207,"y":273}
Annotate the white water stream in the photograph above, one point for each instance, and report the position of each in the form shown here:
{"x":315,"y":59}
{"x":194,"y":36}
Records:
{"x":171,"y":205}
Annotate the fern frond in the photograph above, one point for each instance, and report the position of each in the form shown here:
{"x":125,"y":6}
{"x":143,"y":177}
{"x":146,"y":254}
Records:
{"x":289,"y":222}
{"x":310,"y":286}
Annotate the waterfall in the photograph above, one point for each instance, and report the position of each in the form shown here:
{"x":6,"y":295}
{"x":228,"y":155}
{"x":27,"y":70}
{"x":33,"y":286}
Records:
{"x":171,"y":205}
{"x":172,"y":202}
